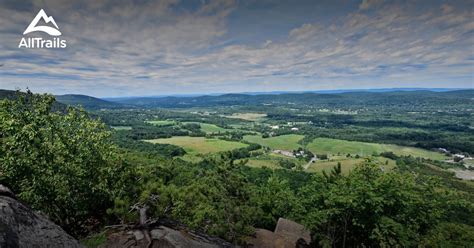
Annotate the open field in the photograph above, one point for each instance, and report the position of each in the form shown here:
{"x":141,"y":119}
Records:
{"x":247,"y":116}
{"x":162,"y":122}
{"x":348,"y":164}
{"x":334,"y":146}
{"x":199,"y":145}
{"x":121,"y":127}
{"x":259,"y":163}
{"x":211,"y":128}
{"x":284,"y":142}
{"x":271,"y":161}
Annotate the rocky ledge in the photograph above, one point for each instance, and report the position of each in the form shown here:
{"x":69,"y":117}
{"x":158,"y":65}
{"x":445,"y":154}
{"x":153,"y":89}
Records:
{"x":22,"y":227}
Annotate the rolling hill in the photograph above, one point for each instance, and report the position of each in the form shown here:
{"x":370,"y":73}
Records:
{"x":409,"y":99}
{"x":88,"y":102}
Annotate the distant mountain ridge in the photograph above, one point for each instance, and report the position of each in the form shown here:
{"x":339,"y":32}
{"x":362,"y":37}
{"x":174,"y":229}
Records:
{"x":114,"y":99}
{"x":356,"y":98}
{"x":88,"y":102}
{"x":360,"y":98}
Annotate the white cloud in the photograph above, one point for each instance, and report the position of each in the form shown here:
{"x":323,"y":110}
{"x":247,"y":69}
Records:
{"x":119,"y":48}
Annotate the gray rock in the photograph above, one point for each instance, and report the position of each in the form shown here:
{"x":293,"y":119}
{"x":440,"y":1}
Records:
{"x":287,"y":234}
{"x":6,"y":192}
{"x":138,"y":235}
{"x":163,"y":237}
{"x":177,"y":238}
{"x":292,"y":231}
{"x":22,"y":227}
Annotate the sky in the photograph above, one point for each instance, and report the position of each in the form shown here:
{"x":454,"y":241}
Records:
{"x":139,"y":48}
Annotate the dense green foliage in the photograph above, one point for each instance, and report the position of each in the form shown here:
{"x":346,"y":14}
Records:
{"x":62,"y":164}
{"x":366,"y":207}
{"x":376,"y":209}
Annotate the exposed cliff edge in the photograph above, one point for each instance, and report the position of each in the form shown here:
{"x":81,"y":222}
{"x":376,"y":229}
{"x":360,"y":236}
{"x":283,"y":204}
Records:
{"x":22,"y":227}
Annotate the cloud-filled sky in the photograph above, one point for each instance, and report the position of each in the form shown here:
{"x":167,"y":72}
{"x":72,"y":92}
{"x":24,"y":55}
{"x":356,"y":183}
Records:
{"x":125,"y":48}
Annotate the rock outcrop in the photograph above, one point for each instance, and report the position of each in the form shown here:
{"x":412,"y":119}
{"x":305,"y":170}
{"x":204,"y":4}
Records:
{"x":22,"y":227}
{"x":166,"y":234}
{"x":287,"y":234}
{"x":170,"y":234}
{"x":292,"y":231}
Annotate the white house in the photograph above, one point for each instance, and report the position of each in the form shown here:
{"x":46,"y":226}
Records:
{"x":459,"y":156}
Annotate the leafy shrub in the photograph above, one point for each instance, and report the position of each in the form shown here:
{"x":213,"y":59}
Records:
{"x":58,"y":163}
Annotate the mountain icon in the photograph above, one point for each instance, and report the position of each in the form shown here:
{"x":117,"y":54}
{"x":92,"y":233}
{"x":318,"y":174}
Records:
{"x":47,"y":19}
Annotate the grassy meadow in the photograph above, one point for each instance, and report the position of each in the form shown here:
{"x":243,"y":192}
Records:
{"x":271,"y":160}
{"x":199,"y":145}
{"x":211,"y":128}
{"x":160,"y":123}
{"x":121,"y":127}
{"x":247,"y":116}
{"x":284,"y":142}
{"x":347,"y":164}
{"x":334,"y":146}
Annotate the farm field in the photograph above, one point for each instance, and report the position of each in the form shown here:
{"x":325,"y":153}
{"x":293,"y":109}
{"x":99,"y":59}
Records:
{"x":247,"y":116}
{"x":211,"y":128}
{"x":199,"y":145}
{"x":161,"y":122}
{"x":334,"y":146}
{"x":121,"y":127}
{"x":347,"y":164}
{"x":260,"y":163}
{"x":287,"y":142}
{"x":271,"y":161}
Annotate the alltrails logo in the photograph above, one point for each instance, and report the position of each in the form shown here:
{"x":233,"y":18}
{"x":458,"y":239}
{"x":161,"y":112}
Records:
{"x":39,"y":42}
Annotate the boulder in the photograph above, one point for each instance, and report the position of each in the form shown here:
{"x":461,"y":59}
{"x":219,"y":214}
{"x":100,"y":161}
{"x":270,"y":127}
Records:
{"x":22,"y":227}
{"x":292,"y":231}
{"x":287,"y":234}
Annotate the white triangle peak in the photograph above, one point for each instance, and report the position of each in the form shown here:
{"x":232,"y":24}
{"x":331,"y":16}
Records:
{"x":47,"y":19}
